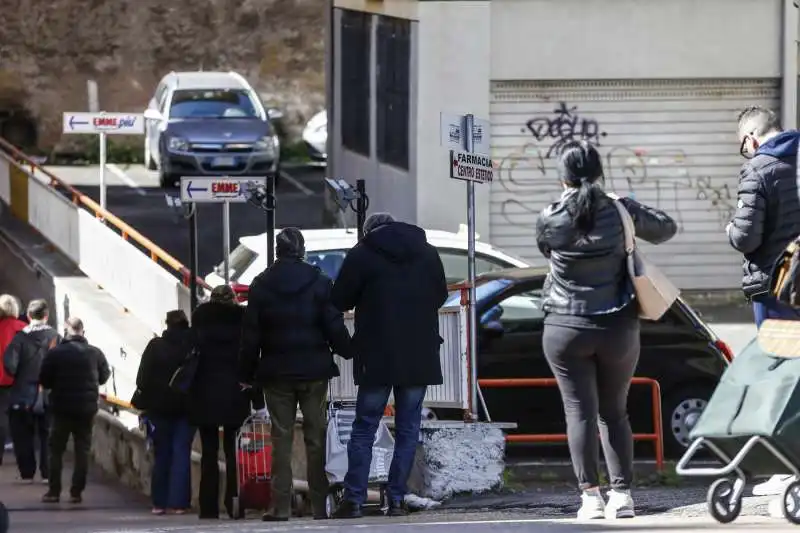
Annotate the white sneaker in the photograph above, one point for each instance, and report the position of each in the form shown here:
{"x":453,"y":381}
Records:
{"x":774,"y":486}
{"x":620,"y":504}
{"x":592,"y":505}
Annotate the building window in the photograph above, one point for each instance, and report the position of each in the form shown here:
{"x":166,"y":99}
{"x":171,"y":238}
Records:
{"x":356,"y":37}
{"x":393,"y":91}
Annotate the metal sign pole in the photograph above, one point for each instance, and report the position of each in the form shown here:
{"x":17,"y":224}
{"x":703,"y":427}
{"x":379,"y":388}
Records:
{"x":226,"y":239}
{"x":270,"y":219}
{"x":193,"y":258}
{"x":469,"y":122}
{"x":102,"y":170}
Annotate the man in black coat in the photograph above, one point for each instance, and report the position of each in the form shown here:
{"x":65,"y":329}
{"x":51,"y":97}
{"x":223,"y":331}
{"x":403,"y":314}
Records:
{"x":292,"y":324}
{"x":767,"y":217}
{"x":395,"y":281}
{"x":73,"y":371}
{"x":27,"y":413}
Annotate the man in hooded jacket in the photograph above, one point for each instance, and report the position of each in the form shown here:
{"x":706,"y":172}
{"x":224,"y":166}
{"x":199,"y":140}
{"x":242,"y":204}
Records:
{"x":766,"y":220}
{"x":767,"y":217}
{"x":395,"y":281}
{"x":290,"y":331}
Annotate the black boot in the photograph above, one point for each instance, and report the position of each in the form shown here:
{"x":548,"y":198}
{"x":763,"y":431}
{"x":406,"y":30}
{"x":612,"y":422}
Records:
{"x":398,"y":509}
{"x":348,"y":509}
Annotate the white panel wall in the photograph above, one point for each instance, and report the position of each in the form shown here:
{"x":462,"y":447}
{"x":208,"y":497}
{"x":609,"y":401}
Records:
{"x":606,"y":39}
{"x":453,"y":78}
{"x":55,"y":217}
{"x":137,"y":282}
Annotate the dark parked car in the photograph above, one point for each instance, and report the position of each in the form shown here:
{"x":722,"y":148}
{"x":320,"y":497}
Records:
{"x":209,"y":124}
{"x":679,"y":351}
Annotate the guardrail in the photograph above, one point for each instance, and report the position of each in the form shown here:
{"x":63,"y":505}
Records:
{"x":127,"y":232}
{"x":657,"y":437}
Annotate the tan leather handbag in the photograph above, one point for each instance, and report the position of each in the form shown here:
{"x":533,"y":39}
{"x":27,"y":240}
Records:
{"x":655,"y":293}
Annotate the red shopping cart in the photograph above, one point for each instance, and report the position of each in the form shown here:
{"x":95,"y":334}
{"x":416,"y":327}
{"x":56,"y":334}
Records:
{"x":253,"y":467}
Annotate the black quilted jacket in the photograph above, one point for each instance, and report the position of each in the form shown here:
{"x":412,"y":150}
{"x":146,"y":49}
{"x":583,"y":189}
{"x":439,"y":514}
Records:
{"x":588,"y":275}
{"x":767,"y":217}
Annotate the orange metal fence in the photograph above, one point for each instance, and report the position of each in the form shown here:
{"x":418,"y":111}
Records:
{"x":657,"y":437}
{"x":127,"y":232}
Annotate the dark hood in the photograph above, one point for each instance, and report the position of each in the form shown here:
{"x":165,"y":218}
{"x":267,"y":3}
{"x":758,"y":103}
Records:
{"x":782,"y":145}
{"x":218,"y":130}
{"x":178,"y":335}
{"x":290,"y":276}
{"x":397,"y":241}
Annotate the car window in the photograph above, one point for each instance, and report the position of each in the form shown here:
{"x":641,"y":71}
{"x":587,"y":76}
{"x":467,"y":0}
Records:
{"x":220,"y":104}
{"x":329,"y":261}
{"x":455,"y":264}
{"x":521,"y":307}
{"x":483,"y":290}
{"x":240,"y":259}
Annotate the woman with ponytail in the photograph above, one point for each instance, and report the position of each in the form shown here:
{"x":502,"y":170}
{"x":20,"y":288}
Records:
{"x":591,"y":332}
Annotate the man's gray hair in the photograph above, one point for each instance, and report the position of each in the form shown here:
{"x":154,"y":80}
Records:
{"x":759,"y":120}
{"x":38,"y":310}
{"x":75,"y":326}
{"x":9,"y":306}
{"x":376,"y":220}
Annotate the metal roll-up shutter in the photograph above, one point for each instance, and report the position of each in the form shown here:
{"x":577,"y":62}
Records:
{"x":668,"y":143}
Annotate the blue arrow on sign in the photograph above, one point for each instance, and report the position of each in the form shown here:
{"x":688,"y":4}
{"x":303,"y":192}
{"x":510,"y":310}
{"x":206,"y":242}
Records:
{"x":190,"y":189}
{"x":73,"y":122}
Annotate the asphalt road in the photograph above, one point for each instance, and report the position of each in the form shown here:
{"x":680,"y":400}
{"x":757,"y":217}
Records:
{"x":133,"y":195}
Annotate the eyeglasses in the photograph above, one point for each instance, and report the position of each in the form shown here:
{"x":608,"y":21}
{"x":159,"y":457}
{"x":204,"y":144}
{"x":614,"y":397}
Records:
{"x":743,"y":147}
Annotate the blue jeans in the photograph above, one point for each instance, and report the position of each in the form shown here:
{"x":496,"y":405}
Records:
{"x":370,"y":406}
{"x":171,"y":482}
{"x":772,"y":308}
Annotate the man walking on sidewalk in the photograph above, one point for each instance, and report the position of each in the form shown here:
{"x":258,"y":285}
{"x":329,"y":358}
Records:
{"x":73,"y":371}
{"x":28,"y":404}
{"x":395,"y":280}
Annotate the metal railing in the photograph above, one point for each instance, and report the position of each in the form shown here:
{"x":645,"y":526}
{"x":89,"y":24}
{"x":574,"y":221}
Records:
{"x":127,"y":232}
{"x":657,"y":436}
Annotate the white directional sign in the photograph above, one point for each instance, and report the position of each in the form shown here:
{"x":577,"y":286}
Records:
{"x":471,"y":167}
{"x":209,"y":190}
{"x":451,"y":129}
{"x":108,"y":123}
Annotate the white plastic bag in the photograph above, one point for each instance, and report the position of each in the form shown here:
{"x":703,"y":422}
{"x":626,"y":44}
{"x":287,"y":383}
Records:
{"x":338,"y":436}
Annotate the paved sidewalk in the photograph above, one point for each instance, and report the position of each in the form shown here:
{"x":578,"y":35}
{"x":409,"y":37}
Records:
{"x":104,"y":504}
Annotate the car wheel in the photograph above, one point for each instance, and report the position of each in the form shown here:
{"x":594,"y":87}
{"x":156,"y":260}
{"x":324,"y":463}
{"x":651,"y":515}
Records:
{"x":429,"y":414}
{"x":681,"y":409}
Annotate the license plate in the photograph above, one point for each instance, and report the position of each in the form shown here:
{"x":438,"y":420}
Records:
{"x":223,"y":162}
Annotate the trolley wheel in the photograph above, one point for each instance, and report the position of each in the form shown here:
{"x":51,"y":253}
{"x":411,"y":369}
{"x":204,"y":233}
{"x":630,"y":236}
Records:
{"x":333,"y":500}
{"x":236,"y":510}
{"x":719,"y":501}
{"x":791,"y":502}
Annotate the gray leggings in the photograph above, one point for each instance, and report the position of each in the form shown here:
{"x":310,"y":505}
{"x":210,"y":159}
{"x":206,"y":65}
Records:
{"x":594,"y":368}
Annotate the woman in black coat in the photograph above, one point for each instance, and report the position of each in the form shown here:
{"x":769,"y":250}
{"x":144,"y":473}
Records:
{"x":216,"y":397}
{"x":167,"y":411}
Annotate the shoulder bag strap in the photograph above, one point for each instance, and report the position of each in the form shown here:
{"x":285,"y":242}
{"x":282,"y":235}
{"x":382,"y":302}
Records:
{"x":627,"y":227}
